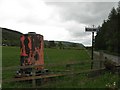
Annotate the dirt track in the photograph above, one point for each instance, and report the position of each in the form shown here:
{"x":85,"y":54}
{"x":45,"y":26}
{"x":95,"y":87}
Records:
{"x":109,"y":57}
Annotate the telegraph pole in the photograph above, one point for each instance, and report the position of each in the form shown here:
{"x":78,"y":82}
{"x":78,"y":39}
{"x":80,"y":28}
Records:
{"x":92,"y":57}
{"x":92,"y":44}
{"x":92,"y":30}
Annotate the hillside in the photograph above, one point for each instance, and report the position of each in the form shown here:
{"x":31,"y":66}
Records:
{"x":10,"y":37}
{"x":62,"y":45}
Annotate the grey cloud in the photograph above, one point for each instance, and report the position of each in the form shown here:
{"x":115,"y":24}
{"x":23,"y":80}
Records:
{"x":80,"y":36}
{"x":86,"y":40}
{"x":85,"y":12}
{"x":32,"y":20}
{"x":77,"y":32}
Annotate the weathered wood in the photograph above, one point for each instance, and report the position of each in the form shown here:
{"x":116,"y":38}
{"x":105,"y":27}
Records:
{"x":32,"y":77}
{"x":32,"y":66}
{"x":33,"y":80}
{"x":51,"y":75}
{"x":101,"y":57}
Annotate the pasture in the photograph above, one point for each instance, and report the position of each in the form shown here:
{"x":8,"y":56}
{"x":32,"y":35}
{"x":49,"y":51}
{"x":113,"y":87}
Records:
{"x":59,"y":58}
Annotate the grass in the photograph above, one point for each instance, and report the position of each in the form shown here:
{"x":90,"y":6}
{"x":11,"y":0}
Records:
{"x":64,"y":56}
{"x":83,"y":81}
{"x":10,"y":57}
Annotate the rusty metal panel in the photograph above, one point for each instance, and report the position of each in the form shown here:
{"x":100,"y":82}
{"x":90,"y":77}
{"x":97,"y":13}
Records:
{"x":31,"y":50}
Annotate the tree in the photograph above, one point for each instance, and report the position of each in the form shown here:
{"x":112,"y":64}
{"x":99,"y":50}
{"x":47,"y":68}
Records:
{"x":118,"y":8}
{"x":107,"y":37}
{"x":60,"y":45}
{"x":74,"y":45}
{"x":112,"y":14}
{"x":51,"y":44}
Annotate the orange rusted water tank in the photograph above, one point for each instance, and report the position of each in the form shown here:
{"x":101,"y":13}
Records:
{"x":31,"y":50}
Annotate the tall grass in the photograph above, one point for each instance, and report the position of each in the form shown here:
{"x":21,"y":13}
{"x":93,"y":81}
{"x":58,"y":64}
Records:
{"x":83,"y":81}
{"x":60,"y":58}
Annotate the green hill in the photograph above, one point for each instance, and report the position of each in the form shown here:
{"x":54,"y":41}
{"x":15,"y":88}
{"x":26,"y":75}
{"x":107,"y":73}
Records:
{"x":63,"y":45}
{"x":10,"y":37}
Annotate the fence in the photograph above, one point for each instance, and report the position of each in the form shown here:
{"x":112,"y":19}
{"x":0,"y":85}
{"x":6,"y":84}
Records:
{"x":64,"y":69}
{"x":69,"y":69}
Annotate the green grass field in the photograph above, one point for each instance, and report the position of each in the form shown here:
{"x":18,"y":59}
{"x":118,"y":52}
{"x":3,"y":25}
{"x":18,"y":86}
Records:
{"x":11,"y":57}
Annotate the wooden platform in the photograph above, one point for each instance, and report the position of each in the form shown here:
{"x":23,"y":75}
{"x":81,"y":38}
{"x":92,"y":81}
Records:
{"x":33,"y":77}
{"x":51,"y":75}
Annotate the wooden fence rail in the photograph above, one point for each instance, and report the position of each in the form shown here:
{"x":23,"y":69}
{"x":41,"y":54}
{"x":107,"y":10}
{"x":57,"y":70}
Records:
{"x":52,"y":75}
{"x":60,"y":64}
{"x":100,"y":59}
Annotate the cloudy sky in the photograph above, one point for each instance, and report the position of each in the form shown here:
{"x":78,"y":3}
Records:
{"x":63,"y":20}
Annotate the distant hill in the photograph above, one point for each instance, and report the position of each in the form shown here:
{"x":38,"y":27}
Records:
{"x":10,"y":37}
{"x":71,"y":44}
{"x":63,"y":45}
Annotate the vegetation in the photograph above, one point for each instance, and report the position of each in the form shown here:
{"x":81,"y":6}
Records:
{"x":10,"y":37}
{"x":107,"y":80}
{"x":62,"y":54}
{"x":107,"y":37}
{"x":62,"y":45}
{"x":60,"y":58}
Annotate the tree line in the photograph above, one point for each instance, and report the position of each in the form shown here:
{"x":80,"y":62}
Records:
{"x":12,"y":38}
{"x":61,"y":44}
{"x":108,"y":36}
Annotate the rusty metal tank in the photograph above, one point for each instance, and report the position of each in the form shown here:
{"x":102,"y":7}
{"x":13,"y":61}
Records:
{"x":31,"y":50}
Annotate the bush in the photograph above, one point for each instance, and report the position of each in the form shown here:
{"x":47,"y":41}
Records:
{"x":110,"y":65}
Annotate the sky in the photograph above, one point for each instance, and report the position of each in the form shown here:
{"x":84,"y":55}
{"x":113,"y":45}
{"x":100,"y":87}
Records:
{"x":59,"y":20}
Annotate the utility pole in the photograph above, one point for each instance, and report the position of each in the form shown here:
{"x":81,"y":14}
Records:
{"x":92,"y":44}
{"x":92,"y":50}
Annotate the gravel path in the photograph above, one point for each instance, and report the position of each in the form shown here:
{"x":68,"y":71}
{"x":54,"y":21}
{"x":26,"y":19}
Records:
{"x":110,"y":57}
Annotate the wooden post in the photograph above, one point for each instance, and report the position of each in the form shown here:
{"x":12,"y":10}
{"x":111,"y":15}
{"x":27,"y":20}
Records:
{"x":100,"y":58}
{"x":92,"y":45}
{"x":119,"y":79}
{"x":92,"y":30}
{"x":92,"y":58}
{"x":33,"y":81}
